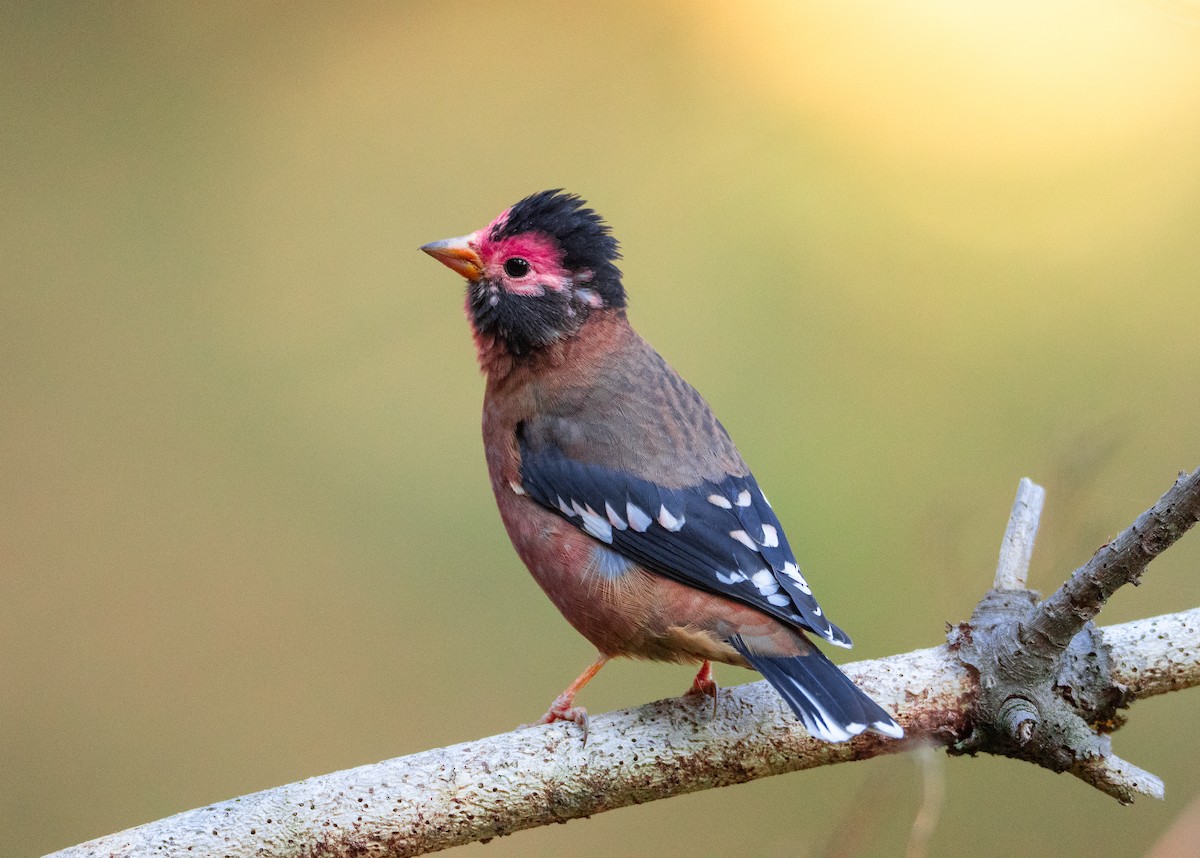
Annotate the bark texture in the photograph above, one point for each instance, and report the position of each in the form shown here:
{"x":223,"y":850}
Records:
{"x":1033,"y":680}
{"x":1047,"y":694}
{"x":536,"y":776}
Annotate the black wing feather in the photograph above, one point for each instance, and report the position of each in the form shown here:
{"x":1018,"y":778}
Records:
{"x":824,"y":699}
{"x":722,"y":537}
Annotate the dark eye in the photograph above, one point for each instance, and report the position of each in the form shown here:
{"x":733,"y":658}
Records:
{"x":516,"y":267}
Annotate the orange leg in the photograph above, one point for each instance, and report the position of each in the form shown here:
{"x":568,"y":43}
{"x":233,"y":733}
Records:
{"x":564,"y":709}
{"x":705,"y":684}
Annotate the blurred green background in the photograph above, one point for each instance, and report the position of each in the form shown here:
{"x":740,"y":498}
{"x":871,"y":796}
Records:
{"x":909,"y":253}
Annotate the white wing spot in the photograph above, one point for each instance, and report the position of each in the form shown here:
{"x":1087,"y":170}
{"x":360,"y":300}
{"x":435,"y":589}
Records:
{"x":566,"y":510}
{"x":817,"y":610}
{"x":597,"y":527}
{"x":778,"y":599}
{"x":614,"y":519}
{"x":765,"y":581}
{"x":638,"y":520}
{"x":516,"y":487}
{"x":669,"y":521}
{"x":744,"y":538}
{"x":770,"y":536}
{"x":722,"y":502}
{"x":791,"y":570}
{"x":743,"y":498}
{"x":582,"y":510}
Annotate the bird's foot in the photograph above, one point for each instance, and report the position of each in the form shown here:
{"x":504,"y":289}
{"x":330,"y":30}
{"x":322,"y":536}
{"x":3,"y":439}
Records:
{"x":564,"y":709}
{"x":705,"y":684}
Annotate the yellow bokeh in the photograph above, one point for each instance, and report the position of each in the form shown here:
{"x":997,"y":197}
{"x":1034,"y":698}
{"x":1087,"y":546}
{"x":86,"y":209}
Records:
{"x":988,"y":85}
{"x":909,"y":252}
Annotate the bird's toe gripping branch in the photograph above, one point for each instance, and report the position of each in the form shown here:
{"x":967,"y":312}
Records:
{"x":704,"y":684}
{"x":564,"y":709}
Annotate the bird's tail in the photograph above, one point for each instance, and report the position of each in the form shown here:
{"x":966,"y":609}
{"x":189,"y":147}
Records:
{"x":829,"y":705}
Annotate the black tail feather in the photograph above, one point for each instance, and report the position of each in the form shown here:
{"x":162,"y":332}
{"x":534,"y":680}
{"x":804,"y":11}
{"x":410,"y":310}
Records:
{"x":830,"y":706}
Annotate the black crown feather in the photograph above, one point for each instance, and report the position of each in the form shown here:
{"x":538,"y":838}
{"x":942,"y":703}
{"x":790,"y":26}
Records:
{"x":585,"y":238}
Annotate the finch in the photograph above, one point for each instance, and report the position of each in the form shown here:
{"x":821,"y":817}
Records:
{"x":621,"y":492}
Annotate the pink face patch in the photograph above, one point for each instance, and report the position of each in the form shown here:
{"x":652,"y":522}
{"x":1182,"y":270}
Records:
{"x":540,"y":251}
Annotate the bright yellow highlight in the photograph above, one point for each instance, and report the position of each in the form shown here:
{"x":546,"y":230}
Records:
{"x":1015,"y":82}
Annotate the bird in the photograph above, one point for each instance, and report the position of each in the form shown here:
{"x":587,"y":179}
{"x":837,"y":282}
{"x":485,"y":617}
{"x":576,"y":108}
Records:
{"x":620,"y":490}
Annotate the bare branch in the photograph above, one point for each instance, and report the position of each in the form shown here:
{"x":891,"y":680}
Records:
{"x":1119,"y":778}
{"x":1044,"y":671}
{"x":1121,"y":561}
{"x":1157,"y":655}
{"x":531,"y":777}
{"x":479,"y":790}
{"x":1016,"y":548}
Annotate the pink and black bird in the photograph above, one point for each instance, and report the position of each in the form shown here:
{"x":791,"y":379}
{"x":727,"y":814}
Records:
{"x":620,"y":490}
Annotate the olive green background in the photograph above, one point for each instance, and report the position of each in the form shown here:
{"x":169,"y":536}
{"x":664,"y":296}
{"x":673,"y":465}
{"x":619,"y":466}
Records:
{"x":909,"y":253}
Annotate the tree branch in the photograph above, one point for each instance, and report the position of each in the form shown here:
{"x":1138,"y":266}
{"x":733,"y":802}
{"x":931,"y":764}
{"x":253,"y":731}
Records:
{"x":540,"y":775}
{"x":1016,"y":548}
{"x":1046,"y":693}
{"x":1122,"y":561}
{"x":536,"y":776}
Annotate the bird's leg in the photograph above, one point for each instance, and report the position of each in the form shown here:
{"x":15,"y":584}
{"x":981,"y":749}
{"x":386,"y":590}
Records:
{"x":564,"y":709}
{"x":705,"y":684}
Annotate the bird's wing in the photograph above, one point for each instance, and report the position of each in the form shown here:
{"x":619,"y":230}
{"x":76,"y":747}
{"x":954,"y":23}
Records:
{"x":718,"y":536}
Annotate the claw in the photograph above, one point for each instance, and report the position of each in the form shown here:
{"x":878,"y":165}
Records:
{"x":705,"y":684}
{"x":564,"y":709}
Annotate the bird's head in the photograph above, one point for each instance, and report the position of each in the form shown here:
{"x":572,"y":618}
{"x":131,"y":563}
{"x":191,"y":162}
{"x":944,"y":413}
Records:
{"x":536,"y":272}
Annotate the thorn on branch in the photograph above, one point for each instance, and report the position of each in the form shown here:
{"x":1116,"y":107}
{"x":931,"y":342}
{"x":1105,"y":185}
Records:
{"x":1016,"y":549}
{"x":1119,"y":778}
